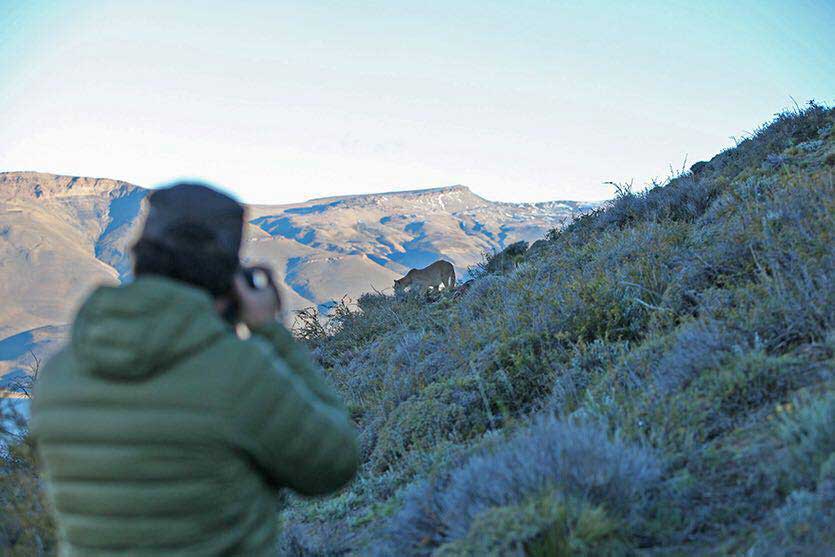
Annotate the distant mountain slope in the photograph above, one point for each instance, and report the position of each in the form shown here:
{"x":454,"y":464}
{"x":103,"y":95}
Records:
{"x":61,"y":235}
{"x":401,"y":230}
{"x":22,"y":352}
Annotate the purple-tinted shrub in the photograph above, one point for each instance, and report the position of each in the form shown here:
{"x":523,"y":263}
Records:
{"x":570,"y":458}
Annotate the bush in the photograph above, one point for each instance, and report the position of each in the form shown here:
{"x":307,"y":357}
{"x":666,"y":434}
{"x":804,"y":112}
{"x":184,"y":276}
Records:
{"x":579,"y":460}
{"x":481,"y":298}
{"x":695,"y":348}
{"x":589,"y":363}
{"x":454,"y":410}
{"x":807,"y":429}
{"x":719,"y":400}
{"x":803,"y":527}
{"x":546,"y":462}
{"x":26,"y":527}
{"x":547,"y":526}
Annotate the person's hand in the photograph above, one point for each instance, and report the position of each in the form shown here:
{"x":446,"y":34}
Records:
{"x":257,"y":306}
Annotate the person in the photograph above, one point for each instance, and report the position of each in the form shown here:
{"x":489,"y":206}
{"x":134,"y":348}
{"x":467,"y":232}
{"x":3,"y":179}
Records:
{"x":159,"y":430}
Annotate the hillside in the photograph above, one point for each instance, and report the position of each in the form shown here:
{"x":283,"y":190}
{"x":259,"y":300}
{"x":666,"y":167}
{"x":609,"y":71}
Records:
{"x":656,"y":380}
{"x":60,"y":236}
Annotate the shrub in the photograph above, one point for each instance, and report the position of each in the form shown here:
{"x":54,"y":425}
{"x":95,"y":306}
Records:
{"x":696,"y":347}
{"x":480,"y":300}
{"x":507,"y":259}
{"x":26,"y":527}
{"x":541,"y":465}
{"x":456,"y":409}
{"x":589,"y":362}
{"x":546,"y":526}
{"x":719,"y":400}
{"x":580,"y":460}
{"x":416,"y":529}
{"x":802,"y":526}
{"x":807,"y":429}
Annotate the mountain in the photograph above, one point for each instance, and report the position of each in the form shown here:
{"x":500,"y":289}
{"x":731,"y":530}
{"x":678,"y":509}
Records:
{"x":400,"y":230}
{"x":656,"y":378}
{"x":61,"y":235}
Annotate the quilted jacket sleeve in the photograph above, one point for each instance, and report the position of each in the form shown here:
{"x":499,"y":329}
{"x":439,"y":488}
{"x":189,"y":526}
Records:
{"x":291,"y":421}
{"x":300,"y":361}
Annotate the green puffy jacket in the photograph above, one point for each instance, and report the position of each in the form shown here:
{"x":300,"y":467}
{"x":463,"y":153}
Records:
{"x":160,"y":432}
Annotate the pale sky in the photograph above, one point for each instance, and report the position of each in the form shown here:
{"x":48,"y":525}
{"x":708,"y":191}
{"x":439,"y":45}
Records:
{"x":284,"y":101}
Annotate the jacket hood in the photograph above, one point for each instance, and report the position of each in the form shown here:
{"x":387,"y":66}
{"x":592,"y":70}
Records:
{"x":130,"y":331}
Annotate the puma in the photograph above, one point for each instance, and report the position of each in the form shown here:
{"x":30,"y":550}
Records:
{"x":440,"y":273}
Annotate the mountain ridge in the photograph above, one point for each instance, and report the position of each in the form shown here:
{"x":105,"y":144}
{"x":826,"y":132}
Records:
{"x":66,"y":234}
{"x":44,"y":185}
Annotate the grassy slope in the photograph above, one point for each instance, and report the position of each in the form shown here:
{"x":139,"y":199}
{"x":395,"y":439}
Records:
{"x":658,"y":379}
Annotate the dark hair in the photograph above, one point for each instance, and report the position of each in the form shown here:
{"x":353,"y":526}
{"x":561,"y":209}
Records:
{"x":210,"y":269}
